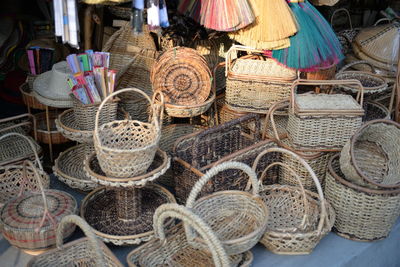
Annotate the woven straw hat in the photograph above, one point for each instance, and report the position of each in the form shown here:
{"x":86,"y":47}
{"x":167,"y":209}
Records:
{"x":51,"y":88}
{"x":380,"y":42}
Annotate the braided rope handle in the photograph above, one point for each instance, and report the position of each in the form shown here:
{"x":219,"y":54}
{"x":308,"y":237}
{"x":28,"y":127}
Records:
{"x":87,"y":230}
{"x":356,"y":63}
{"x":31,"y":144}
{"x":321,"y":197}
{"x":347,"y":13}
{"x":173,"y":210}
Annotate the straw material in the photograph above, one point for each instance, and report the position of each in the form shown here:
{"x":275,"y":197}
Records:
{"x":126,"y":148}
{"x":87,"y":251}
{"x":28,"y":98}
{"x":29,"y":220}
{"x":362,"y":214}
{"x":23,"y":124}
{"x":371,"y":157}
{"x":238,"y":218}
{"x":182,"y":75}
{"x":274,"y":24}
{"x":69,"y":168}
{"x":43,"y":136}
{"x":374,"y":111}
{"x":255,"y":85}
{"x":323,"y":122}
{"x":68,"y":126}
{"x":380,"y":42}
{"x":299,"y":218}
{"x":388,"y":69}
{"x":105,"y":211}
{"x":228,"y":142}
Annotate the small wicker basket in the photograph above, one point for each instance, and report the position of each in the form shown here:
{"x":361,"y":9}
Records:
{"x":87,"y":251}
{"x":299,"y":218}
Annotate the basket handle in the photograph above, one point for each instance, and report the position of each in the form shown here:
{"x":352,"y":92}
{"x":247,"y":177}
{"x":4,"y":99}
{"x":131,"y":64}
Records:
{"x":172,"y":210}
{"x":46,"y":212}
{"x":219,"y":65}
{"x":347,"y":13}
{"x":270,"y":117}
{"x":154,"y":116}
{"x":381,"y":20}
{"x":31,"y":144}
{"x":323,"y":214}
{"x":356,"y":63}
{"x":360,"y":94}
{"x":87,"y":230}
{"x":33,"y":118}
{"x":232,"y":54}
{"x":159,"y":107}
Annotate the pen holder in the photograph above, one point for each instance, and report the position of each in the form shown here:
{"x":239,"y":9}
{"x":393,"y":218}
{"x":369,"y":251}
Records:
{"x":85,"y":114}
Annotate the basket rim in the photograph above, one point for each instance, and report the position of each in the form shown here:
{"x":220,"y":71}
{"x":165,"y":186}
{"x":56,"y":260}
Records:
{"x":376,"y":77}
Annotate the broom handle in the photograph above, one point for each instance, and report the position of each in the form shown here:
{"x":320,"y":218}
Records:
{"x":345,"y":11}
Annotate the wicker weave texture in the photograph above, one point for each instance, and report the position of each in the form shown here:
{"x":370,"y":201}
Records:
{"x":361,"y":214}
{"x":27,"y":96}
{"x":68,"y":126}
{"x":43,"y":135}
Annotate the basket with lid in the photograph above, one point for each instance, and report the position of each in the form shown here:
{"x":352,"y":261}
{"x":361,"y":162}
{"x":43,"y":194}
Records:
{"x":323,"y":122}
{"x":253,"y":85}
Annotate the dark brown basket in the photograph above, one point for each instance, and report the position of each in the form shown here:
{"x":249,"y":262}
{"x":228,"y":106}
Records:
{"x":196,"y":153}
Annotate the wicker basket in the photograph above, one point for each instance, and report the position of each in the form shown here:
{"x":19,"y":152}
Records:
{"x":318,"y":161}
{"x":299,"y":218}
{"x":346,"y":36}
{"x":87,"y":251}
{"x":68,"y":126}
{"x":372,"y":83}
{"x":12,"y":177}
{"x":225,"y":113}
{"x":23,"y":124}
{"x":29,"y":220}
{"x":371,"y":157}
{"x":375,"y":111}
{"x":254,"y":85}
{"x":321,"y":122}
{"x":28,"y":98}
{"x":362,"y":214}
{"x":327,"y":73}
{"x":126,"y":148}
{"x":43,"y":135}
{"x":198,"y":152}
{"x":175,"y":250}
{"x":238,"y":218}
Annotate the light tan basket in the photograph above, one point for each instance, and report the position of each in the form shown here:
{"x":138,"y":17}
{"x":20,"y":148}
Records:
{"x":322,"y":122}
{"x":362,"y":214}
{"x":87,"y":251}
{"x":126,"y":148}
{"x":299,"y":218}
{"x":253,"y":85}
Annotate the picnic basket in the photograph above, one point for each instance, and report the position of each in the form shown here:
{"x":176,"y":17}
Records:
{"x":362,"y":213}
{"x":323,"y":122}
{"x":299,"y":218}
{"x":371,"y":157}
{"x":253,"y":85}
{"x":126,"y":148}
{"x":29,"y":220}
{"x":87,"y":251}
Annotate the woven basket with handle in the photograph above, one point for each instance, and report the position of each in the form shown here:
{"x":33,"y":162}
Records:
{"x":170,"y":247}
{"x":126,"y":148}
{"x":88,"y":251}
{"x":29,"y":221}
{"x":346,"y":36}
{"x":253,"y":85}
{"x":299,"y":218}
{"x":324,"y":122}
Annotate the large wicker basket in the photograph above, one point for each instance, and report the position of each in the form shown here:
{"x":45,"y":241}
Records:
{"x":238,"y":218}
{"x":29,"y":220}
{"x":322,"y":122}
{"x":371,"y":157}
{"x":126,"y":148}
{"x":87,"y":251}
{"x":171,"y":247}
{"x":198,"y":152}
{"x":253,"y":85}
{"x":299,"y":218}
{"x":362,"y":214}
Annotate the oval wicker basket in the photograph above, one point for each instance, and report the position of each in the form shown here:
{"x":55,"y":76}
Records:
{"x":126,"y":148}
{"x":299,"y":218}
{"x":172,"y":249}
{"x":375,"y":111}
{"x":87,"y":251}
{"x":28,"y":98}
{"x":43,"y":135}
{"x":362,"y":214}
{"x":29,"y":220}
{"x":13,"y":177}
{"x":238,"y":218}
{"x":371,"y":157}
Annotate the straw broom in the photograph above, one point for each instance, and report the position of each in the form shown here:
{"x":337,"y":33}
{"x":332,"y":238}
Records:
{"x":274,"y":24}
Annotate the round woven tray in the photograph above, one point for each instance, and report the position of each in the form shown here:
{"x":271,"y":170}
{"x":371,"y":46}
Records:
{"x":99,"y":209}
{"x":68,"y":127}
{"x":45,"y":136}
{"x":69,"y":168}
{"x":160,"y":165}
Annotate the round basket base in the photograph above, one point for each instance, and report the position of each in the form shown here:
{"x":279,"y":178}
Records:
{"x":355,"y":238}
{"x":69,"y":168}
{"x":101,"y":210}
